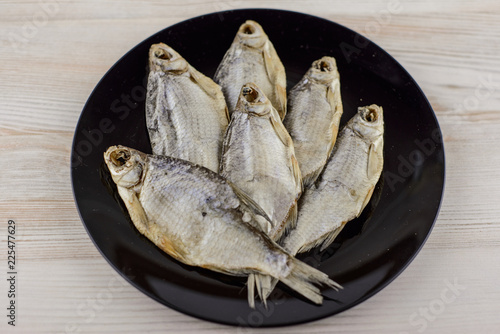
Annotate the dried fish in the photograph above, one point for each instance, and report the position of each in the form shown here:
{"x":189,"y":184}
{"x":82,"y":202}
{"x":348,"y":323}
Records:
{"x":258,"y":157}
{"x":252,"y":58}
{"x":186,"y":112}
{"x":345,"y":186}
{"x":313,"y":117}
{"x":195,"y":216}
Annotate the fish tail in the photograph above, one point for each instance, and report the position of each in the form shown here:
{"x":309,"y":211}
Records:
{"x":272,"y":285}
{"x":302,"y":279}
{"x":251,"y":290}
{"x":263,"y":285}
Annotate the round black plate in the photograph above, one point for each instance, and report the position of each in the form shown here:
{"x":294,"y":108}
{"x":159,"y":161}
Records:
{"x":367,"y":255}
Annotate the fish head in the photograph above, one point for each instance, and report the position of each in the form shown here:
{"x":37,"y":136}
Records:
{"x":126,"y":165}
{"x":163,"y":58}
{"x":369,"y":122}
{"x":324,"y":70}
{"x":253,"y":101}
{"x":252,"y":34}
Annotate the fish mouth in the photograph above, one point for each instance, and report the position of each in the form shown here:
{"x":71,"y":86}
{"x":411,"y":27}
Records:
{"x":252,"y":100}
{"x":324,"y":70}
{"x":119,"y":157}
{"x":162,"y":54}
{"x":252,"y":34}
{"x":248,"y":28}
{"x":250,"y":94}
{"x":324,"y":65}
{"x":371,"y":113}
{"x":165,"y":59}
{"x":125,"y":165}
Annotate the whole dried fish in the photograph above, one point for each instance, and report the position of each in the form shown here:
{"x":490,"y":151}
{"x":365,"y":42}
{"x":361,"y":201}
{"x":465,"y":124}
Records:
{"x":186,"y":112}
{"x":313,"y":117}
{"x":258,"y":157}
{"x":346,"y":185}
{"x":195,"y":216}
{"x":252,"y":58}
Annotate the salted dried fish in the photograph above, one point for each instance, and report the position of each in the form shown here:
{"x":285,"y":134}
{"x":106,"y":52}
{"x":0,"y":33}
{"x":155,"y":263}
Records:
{"x":252,"y":58}
{"x":195,"y":216}
{"x":346,"y":184}
{"x":258,"y":157}
{"x":313,"y":117}
{"x":186,"y":112}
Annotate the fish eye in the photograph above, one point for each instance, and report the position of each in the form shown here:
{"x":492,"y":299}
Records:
{"x":120,"y":157}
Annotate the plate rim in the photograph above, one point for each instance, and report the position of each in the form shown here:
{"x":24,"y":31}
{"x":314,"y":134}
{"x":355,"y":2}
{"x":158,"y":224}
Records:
{"x":382,"y":286}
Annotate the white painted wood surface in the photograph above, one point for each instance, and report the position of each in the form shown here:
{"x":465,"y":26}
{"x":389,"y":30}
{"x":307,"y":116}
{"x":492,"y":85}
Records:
{"x":53,"y":53}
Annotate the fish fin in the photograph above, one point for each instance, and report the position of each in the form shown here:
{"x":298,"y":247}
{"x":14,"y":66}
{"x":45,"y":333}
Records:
{"x":297,"y":177}
{"x":373,"y":170}
{"x":226,"y":111}
{"x":135,"y":209}
{"x":310,"y":178}
{"x":331,"y":237}
{"x":273,"y":69}
{"x":291,"y":223}
{"x":207,"y":84}
{"x":292,"y":217}
{"x":330,"y":97}
{"x":261,"y":283}
{"x":280,"y":92}
{"x":141,"y":222}
{"x":333,"y":98}
{"x":267,"y":55}
{"x":279,"y":231}
{"x":169,"y":247}
{"x":373,"y":166}
{"x":251,"y":290}
{"x":225,"y":146}
{"x":366,"y":200}
{"x":272,"y":284}
{"x":325,"y":240}
{"x":249,"y":202}
{"x":281,"y":132}
{"x":302,"y":277}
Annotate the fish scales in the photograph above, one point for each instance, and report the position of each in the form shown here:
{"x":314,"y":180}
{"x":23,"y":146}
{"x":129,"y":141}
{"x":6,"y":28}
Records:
{"x":195,"y":216}
{"x":346,"y":184}
{"x":313,"y":117}
{"x":186,"y":113}
{"x":252,"y":58}
{"x":258,"y":157}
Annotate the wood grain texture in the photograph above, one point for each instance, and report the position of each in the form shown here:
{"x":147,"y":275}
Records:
{"x":51,"y":62}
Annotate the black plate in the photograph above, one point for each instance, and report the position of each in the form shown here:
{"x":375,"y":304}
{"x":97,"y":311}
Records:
{"x":368,"y":254}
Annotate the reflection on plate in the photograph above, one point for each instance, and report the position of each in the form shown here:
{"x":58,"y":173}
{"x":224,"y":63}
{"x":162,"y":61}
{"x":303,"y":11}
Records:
{"x":369,"y":253}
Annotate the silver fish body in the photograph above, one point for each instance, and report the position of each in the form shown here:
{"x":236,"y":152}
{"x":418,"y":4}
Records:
{"x":313,"y":117}
{"x":258,"y":157}
{"x":346,"y":184}
{"x":195,"y":216}
{"x":252,"y":58}
{"x":186,"y":113}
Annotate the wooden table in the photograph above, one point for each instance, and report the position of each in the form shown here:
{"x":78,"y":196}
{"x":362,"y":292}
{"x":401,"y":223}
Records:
{"x":53,"y":53}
